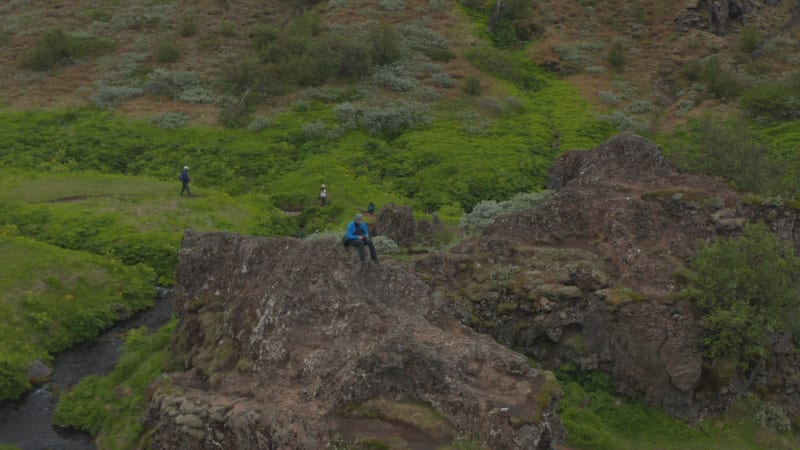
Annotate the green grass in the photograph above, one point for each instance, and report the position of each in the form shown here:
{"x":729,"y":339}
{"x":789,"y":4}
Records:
{"x":51,"y":298}
{"x":596,"y":419}
{"x":110,"y":407}
{"x":133,"y":219}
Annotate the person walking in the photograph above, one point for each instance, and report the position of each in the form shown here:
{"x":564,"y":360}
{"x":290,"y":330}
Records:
{"x":358,"y":236}
{"x":184,"y":177}
{"x":323,"y":195}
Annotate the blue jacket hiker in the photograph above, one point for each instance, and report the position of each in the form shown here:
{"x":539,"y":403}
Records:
{"x":358,"y":236}
{"x":184,"y":177}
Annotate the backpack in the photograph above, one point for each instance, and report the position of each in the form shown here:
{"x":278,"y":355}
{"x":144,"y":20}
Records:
{"x":345,"y":242}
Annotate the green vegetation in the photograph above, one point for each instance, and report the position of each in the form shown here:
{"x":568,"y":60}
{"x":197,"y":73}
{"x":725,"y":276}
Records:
{"x":58,"y":47}
{"x":115,"y":403}
{"x":729,"y":149}
{"x":597,"y":419}
{"x":747,"y":288}
{"x":53,"y":298}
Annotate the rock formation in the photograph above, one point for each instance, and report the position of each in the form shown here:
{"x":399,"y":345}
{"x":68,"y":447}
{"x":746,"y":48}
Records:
{"x":586,"y":277}
{"x":282,"y":341}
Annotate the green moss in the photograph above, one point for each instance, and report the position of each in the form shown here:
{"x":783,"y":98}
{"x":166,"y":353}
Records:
{"x":506,"y":307}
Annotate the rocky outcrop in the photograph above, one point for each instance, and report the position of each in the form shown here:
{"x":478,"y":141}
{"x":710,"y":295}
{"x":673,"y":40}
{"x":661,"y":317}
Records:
{"x":587,"y":276}
{"x":282,"y":340}
{"x":397,"y":223}
{"x":716,"y":15}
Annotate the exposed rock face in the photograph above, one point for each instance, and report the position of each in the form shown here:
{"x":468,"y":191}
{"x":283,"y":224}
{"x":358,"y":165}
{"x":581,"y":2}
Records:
{"x":587,"y":276}
{"x":280,"y":336}
{"x":397,"y":223}
{"x":715,"y":14}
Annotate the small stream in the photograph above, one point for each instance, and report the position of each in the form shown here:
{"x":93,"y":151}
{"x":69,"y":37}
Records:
{"x":27,"y":422}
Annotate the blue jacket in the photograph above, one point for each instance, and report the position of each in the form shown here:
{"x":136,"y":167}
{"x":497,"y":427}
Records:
{"x":351,"y":230}
{"x":185,"y":176}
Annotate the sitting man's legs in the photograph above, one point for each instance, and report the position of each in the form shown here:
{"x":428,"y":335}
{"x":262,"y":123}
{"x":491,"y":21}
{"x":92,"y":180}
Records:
{"x":359,"y":244}
{"x":372,"y":253}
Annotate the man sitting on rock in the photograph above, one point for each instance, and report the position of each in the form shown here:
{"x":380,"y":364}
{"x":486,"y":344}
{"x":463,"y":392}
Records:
{"x":358,"y":236}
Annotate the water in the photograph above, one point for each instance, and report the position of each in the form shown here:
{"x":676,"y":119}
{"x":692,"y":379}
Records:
{"x":27,"y":422}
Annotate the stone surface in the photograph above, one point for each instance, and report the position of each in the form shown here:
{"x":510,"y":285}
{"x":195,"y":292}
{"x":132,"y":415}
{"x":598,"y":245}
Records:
{"x":279,"y":336}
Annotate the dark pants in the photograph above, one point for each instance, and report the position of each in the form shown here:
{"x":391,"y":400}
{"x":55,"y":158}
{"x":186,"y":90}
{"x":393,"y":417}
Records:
{"x":322,"y":200}
{"x":359,"y":244}
{"x":185,"y":188}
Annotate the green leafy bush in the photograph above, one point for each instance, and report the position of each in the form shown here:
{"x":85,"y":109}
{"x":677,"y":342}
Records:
{"x":746,"y":288}
{"x":719,"y":81}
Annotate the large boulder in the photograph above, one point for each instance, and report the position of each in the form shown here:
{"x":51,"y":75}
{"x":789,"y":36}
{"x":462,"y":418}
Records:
{"x":282,"y":340}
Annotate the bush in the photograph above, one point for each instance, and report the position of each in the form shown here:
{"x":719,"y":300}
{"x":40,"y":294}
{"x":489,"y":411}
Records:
{"x":727,"y":149}
{"x":385,"y":245}
{"x":170,"y":120}
{"x":227,"y":29}
{"x":188,"y":26}
{"x":746,"y":288}
{"x":779,"y":100}
{"x":443,"y":80}
{"x":57,"y":47}
{"x":720,"y":82}
{"x":616,"y":56}
{"x":473,"y":87}
{"x":389,"y":121}
{"x":383,"y":43}
{"x":107,"y":96}
{"x":750,"y":39}
{"x":165,"y":83}
{"x":166,"y":51}
{"x":421,"y":38}
{"x":486,"y":212}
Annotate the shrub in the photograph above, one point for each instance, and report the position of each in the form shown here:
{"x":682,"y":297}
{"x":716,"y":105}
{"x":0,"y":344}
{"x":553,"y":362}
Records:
{"x":486,"y":212}
{"x":720,"y":82}
{"x":389,"y":77}
{"x":58,"y":47}
{"x":314,"y":130}
{"x":166,"y":51}
{"x":746,"y":288}
{"x":506,"y":65}
{"x":107,"y":96}
{"x":196,"y":94}
{"x":388,"y":121}
{"x":393,"y":5}
{"x":440,"y":54}
{"x":385,"y":245}
{"x":750,"y":39}
{"x":383,"y":43}
{"x":616,"y":56}
{"x":188,"y":26}
{"x":165,"y":83}
{"x":779,"y":100}
{"x":421,"y":38}
{"x":727,"y":149}
{"x":443,"y":80}
{"x":774,"y":417}
{"x":473,"y":87}
{"x":170,"y":120}
{"x":227,"y":29}
{"x":259,"y":123}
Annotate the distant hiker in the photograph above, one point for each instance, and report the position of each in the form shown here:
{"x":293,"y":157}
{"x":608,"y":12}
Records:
{"x":358,"y":236}
{"x":184,"y":177}
{"x":371,"y":208}
{"x":323,"y":195}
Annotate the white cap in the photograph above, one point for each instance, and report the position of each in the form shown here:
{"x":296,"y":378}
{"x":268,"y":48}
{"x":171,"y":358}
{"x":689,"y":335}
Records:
{"x":186,"y":167}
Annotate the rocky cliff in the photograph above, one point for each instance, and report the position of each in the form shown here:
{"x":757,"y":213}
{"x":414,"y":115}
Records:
{"x":289,"y":344}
